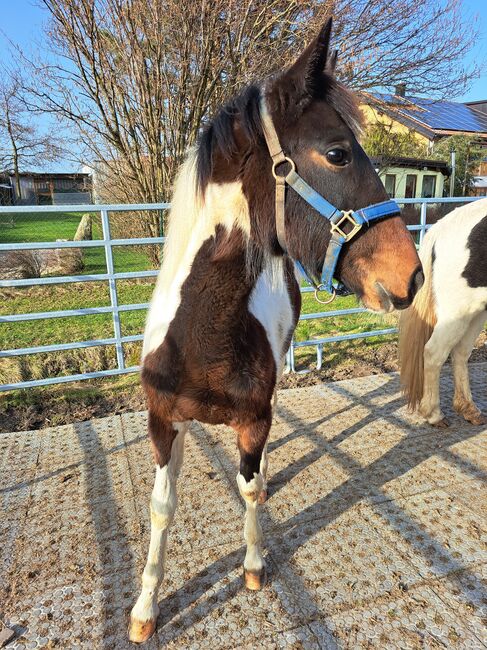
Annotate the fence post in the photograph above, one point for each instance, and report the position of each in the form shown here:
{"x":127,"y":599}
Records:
{"x":289,"y":364}
{"x":319,"y":356}
{"x":113,"y":289}
{"x":422,"y":221}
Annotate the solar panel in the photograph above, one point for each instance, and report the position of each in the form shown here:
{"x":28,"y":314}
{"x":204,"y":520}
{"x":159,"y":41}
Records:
{"x":438,"y":114}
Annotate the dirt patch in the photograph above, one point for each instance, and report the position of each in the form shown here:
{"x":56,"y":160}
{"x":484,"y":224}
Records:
{"x":63,"y":404}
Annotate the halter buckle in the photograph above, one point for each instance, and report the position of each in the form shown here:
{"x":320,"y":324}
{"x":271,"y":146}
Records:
{"x":346,"y":216}
{"x":282,"y":161}
{"x":321,"y":287}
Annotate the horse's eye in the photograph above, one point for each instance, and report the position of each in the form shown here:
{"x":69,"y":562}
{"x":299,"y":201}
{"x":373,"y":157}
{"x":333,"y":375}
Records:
{"x":338,"y":156}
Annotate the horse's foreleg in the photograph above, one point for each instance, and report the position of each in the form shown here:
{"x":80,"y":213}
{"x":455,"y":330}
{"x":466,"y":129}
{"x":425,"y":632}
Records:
{"x":445,"y":336}
{"x":462,"y":400}
{"x":167,"y":443}
{"x":250,"y":480}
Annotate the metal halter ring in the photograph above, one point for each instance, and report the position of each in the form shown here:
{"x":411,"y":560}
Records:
{"x":321,"y":287}
{"x":276,"y":164}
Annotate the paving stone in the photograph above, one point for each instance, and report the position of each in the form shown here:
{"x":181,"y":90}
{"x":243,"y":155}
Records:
{"x":374,"y":532}
{"x":419,"y":619}
{"x":433,"y":530}
{"x":341,"y":561}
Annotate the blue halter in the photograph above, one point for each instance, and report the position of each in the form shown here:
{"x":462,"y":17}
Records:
{"x":338,"y":218}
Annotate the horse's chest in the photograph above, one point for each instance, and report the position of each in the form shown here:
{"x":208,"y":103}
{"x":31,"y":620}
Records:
{"x":270,"y":303}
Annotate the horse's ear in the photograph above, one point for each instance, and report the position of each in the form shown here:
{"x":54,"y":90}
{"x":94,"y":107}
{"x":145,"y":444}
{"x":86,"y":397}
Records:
{"x":331,"y":64}
{"x":311,"y":64}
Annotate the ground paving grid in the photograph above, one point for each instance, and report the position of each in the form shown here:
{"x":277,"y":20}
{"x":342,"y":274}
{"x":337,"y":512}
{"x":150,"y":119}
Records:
{"x":375,"y":529}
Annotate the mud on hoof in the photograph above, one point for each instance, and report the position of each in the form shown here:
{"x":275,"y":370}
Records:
{"x":475,"y":418}
{"x":140,"y":631}
{"x":441,"y":424}
{"x":255,"y":580}
{"x":472,"y":414}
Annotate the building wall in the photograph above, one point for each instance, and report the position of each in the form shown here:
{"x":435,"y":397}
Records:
{"x":402,"y":172}
{"x":373,"y":115}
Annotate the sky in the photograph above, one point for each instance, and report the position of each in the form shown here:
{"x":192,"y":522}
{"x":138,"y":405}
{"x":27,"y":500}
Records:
{"x":21,"y":21}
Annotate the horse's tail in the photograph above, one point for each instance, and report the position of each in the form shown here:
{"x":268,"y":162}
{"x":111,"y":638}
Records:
{"x":415,"y":328}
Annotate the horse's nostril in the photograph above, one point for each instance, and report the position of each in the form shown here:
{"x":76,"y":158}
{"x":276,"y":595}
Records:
{"x":419,"y":279}
{"x":416,"y":282}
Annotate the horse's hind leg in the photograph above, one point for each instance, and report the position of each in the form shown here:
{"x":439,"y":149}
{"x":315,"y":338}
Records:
{"x":263,"y":470}
{"x":462,"y":401}
{"x":264,"y":458}
{"x":251,"y":443}
{"x":167,"y":443}
{"x":445,"y":336}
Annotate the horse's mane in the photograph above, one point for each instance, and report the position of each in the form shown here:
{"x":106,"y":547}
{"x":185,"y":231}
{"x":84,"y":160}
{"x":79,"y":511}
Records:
{"x":219,"y":134}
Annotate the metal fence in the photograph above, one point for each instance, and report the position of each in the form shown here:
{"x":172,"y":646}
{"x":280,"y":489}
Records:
{"x":111,"y":277}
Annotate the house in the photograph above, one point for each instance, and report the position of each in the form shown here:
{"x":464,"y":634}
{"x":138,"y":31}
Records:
{"x":412,"y":178}
{"x":46,"y":188}
{"x":429,"y":120}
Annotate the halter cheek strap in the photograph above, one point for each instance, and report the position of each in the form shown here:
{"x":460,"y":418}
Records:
{"x":338,"y":219}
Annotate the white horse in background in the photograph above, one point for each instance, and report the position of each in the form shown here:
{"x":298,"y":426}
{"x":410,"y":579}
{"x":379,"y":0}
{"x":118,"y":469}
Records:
{"x":447,"y":314}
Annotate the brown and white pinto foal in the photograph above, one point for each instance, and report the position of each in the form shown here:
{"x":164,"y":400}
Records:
{"x":226,"y":301}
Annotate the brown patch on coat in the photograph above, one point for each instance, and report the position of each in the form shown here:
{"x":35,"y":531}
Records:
{"x":215,"y":364}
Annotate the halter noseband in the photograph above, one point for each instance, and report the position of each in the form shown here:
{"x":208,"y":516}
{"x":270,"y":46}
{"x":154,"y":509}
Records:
{"x":338,"y":218}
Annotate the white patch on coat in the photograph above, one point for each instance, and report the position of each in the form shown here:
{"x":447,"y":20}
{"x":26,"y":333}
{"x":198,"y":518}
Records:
{"x":458,"y":306}
{"x":270,"y":303}
{"x":252,"y":531}
{"x":450,"y":234}
{"x":162,"y":508}
{"x":191,"y":222}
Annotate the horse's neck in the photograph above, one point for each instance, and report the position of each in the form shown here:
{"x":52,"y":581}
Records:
{"x":210,"y":274}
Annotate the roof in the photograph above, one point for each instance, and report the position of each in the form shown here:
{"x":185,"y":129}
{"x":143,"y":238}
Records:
{"x":433,"y":116}
{"x":413,"y":163}
{"x":10,"y":174}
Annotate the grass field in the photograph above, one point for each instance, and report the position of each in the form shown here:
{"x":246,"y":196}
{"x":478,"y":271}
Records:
{"x":48,"y":227}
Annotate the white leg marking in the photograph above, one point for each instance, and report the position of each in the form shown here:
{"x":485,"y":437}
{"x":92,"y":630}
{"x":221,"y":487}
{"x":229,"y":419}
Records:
{"x":162,"y":508}
{"x":462,"y":401}
{"x":444,"y":338}
{"x":252,"y":531}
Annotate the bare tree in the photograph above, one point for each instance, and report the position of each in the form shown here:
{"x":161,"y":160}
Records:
{"x":136,"y":78}
{"x":23,"y":143}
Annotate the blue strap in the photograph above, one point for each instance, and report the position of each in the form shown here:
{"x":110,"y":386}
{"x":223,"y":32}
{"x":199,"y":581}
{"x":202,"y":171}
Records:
{"x":329,"y":211}
{"x":333,"y":214}
{"x":311,"y":196}
{"x":379,"y":211}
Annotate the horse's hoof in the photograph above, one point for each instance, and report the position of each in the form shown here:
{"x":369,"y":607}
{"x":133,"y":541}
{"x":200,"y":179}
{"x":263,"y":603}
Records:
{"x":141,"y":631}
{"x":255,"y":580}
{"x":476,"y":418}
{"x":262,"y":497}
{"x":441,"y":424}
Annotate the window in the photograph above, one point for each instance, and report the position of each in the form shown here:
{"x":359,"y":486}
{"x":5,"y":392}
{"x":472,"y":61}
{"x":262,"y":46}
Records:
{"x":429,"y":186}
{"x":410,"y":186}
{"x":390,"y":185}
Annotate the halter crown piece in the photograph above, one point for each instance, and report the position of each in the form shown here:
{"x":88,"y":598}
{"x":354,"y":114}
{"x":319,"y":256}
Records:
{"x":338,"y":218}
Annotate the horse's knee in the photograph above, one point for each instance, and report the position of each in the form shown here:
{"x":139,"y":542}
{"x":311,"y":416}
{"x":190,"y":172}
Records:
{"x":164,"y":498}
{"x":162,"y":514}
{"x":250,"y":490}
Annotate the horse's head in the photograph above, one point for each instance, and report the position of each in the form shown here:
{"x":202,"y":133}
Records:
{"x":316,"y":121}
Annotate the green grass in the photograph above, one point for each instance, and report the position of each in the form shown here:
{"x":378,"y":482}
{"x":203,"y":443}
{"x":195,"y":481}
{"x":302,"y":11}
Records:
{"x":37,"y":226}
{"x":34,"y":226}
{"x":48,"y":227}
